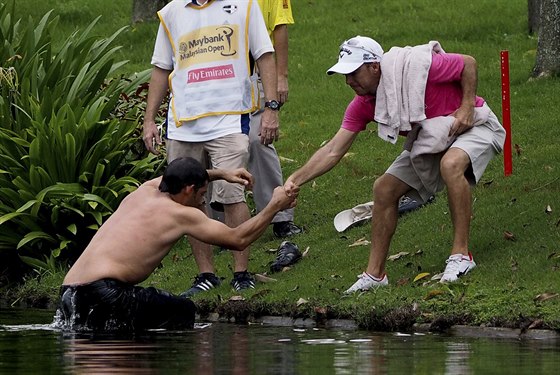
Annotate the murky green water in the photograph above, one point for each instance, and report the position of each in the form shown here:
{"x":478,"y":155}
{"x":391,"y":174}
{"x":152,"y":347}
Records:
{"x":29,"y":345}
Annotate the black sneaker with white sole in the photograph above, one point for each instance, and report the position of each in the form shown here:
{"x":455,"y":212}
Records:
{"x":202,"y":283}
{"x":283,"y":229}
{"x":287,"y":254}
{"x":242,"y":280}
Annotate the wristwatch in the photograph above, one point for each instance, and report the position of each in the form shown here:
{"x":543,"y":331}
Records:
{"x":273,"y":104}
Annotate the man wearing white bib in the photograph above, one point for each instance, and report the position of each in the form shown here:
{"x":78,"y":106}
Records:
{"x":203,"y":55}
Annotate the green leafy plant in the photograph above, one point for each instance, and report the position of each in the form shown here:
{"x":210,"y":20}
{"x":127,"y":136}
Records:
{"x":67,"y":139}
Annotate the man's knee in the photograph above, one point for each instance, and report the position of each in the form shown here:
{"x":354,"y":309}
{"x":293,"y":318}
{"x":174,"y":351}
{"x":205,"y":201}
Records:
{"x":384,"y":190}
{"x":454,"y":164}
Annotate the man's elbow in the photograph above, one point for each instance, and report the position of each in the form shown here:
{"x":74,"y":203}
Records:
{"x":264,"y":57}
{"x":469,"y":60}
{"x":237,"y":243}
{"x":333,"y":153}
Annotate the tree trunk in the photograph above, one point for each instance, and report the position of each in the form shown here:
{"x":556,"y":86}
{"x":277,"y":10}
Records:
{"x":548,"y":45}
{"x":143,"y":10}
{"x":533,"y":7}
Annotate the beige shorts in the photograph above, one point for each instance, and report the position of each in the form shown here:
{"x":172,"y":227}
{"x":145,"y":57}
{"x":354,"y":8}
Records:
{"x":227,"y":152}
{"x":481,"y":144}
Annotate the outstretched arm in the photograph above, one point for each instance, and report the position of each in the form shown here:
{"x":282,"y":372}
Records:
{"x":214,"y":232}
{"x":235,"y":176}
{"x":323,"y":160}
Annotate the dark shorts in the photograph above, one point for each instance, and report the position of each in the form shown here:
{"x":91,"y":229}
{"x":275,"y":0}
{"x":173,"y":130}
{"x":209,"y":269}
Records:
{"x":111,"y":305}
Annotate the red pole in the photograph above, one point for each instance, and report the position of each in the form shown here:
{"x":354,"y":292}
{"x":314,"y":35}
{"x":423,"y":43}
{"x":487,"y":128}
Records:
{"x":506,"y":113}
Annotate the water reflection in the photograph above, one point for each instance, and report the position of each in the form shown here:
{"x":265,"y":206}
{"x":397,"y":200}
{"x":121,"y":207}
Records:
{"x":235,"y":349}
{"x":107,"y":356}
{"x":457,"y":360}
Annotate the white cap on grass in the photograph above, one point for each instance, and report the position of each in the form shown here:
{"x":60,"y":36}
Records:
{"x":348,"y":218}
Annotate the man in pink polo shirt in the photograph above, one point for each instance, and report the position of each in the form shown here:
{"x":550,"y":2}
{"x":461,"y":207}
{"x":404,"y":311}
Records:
{"x":449,"y":83}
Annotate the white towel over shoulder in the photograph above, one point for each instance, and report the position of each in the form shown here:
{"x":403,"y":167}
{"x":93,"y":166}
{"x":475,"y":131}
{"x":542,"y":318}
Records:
{"x":402,"y":87}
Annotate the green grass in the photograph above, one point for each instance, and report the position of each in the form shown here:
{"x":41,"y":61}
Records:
{"x":510,"y":274}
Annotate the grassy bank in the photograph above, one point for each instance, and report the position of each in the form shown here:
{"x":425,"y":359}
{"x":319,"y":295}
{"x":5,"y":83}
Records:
{"x":515,"y":230}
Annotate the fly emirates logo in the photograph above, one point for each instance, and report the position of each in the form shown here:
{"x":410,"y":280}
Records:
{"x":208,"y":45}
{"x":207,"y":74}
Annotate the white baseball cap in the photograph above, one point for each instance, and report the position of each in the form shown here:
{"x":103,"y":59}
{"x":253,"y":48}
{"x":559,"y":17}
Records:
{"x":354,"y":216}
{"x":355,"y":52}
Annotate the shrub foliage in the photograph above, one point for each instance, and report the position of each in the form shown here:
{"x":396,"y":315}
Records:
{"x":67,"y":139}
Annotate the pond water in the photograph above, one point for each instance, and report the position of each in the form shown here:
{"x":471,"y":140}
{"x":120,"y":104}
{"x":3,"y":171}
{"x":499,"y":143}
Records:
{"x":29,"y":345}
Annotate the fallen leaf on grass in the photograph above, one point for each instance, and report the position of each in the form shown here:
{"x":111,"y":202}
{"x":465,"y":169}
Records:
{"x":237,"y":298}
{"x":361,"y":242}
{"x":285,"y":159}
{"x":487,"y":183}
{"x":509,"y":236}
{"x":433,"y":293}
{"x":553,"y":256}
{"x":518,"y":149}
{"x":271,"y":250}
{"x":545,"y":297}
{"x":397,"y":256}
{"x":294,"y":288}
{"x":301,"y":301}
{"x":514,"y":265}
{"x":437,"y":276}
{"x":305,"y":252}
{"x":420,"y":276}
{"x":263,"y":278}
{"x":548,"y":209}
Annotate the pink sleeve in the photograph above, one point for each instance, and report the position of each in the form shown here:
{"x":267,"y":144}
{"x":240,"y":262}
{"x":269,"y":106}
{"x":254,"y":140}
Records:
{"x":359,"y":113}
{"x":446,"y":67}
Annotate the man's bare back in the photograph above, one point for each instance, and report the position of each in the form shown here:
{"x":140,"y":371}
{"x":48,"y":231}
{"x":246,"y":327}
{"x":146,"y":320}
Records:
{"x":134,"y":240}
{"x":140,"y":233}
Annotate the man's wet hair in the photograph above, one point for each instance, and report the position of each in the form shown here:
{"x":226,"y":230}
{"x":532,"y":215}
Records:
{"x":183,"y":172}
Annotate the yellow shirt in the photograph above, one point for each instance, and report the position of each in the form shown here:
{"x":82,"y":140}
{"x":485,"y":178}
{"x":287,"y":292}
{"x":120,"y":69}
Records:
{"x":276,"y":12}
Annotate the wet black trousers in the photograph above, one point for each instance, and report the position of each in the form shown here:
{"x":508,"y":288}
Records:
{"x":111,"y":305}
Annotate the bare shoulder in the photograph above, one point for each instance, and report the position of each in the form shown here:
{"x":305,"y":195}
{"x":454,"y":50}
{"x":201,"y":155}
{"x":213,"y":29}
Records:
{"x":152,"y":183}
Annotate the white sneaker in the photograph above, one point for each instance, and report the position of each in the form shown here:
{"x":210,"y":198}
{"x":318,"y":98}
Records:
{"x":457,"y":266}
{"x":366,"y":281}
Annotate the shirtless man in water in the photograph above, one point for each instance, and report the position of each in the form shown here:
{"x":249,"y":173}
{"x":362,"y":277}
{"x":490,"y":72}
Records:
{"x":99,"y":291}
